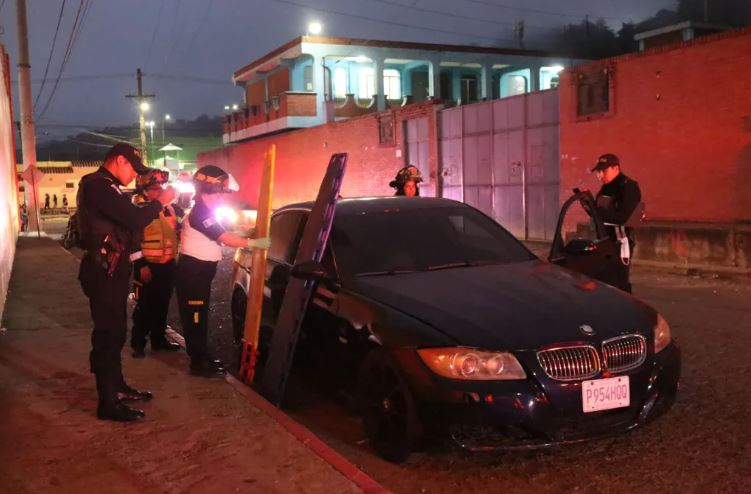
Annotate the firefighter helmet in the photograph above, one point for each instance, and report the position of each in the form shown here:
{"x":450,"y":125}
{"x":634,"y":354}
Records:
{"x":405,"y":175}
{"x":153,"y":177}
{"x":211,"y":179}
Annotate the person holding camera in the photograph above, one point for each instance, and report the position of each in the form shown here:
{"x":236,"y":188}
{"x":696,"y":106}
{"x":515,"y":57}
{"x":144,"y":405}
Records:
{"x":154,"y":270}
{"x":109,"y":226}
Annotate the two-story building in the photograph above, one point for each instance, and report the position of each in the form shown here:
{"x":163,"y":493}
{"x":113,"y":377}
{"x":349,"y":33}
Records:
{"x":314,"y":80}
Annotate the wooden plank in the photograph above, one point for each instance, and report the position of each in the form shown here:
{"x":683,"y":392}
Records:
{"x":258,"y":270}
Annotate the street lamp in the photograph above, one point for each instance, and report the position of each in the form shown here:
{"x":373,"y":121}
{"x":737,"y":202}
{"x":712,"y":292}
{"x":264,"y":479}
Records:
{"x":314,"y":28}
{"x":235,"y":107}
{"x":145,"y":106}
{"x":166,"y":117}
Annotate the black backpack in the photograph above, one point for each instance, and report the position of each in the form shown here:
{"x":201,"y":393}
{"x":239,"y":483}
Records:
{"x":72,"y":236}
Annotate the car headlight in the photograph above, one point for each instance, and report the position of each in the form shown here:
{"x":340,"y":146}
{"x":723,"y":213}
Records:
{"x":472,"y":365}
{"x":662,"y":334}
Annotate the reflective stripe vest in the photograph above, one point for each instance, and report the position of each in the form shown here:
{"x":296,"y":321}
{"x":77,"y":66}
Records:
{"x":159,"y":245}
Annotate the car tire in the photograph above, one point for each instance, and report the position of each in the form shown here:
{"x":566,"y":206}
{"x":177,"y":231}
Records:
{"x":238,"y":307}
{"x":388,"y":408}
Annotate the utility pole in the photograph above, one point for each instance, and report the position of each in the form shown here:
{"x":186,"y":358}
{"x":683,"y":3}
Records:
{"x":28,"y":139}
{"x":143,"y":105}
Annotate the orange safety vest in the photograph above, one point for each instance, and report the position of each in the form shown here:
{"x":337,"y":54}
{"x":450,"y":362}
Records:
{"x":159,"y":245}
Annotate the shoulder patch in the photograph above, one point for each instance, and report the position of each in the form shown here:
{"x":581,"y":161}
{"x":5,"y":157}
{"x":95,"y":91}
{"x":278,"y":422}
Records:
{"x":208,"y":222}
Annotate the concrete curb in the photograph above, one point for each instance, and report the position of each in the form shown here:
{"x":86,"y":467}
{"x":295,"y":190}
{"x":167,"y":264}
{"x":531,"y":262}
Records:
{"x":304,"y":435}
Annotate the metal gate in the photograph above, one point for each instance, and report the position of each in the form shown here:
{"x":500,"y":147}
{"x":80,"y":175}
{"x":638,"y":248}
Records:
{"x":417,"y":140}
{"x":501,"y":157}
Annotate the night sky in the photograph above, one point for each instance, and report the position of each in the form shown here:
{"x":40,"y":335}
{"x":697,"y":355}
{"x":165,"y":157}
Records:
{"x":188,"y":49}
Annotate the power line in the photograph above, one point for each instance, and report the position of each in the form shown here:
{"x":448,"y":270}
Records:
{"x":185,"y":78}
{"x":541,"y":11}
{"x":202,"y":22}
{"x":52,"y":51}
{"x":66,"y":57}
{"x":443,"y":13}
{"x":392,"y":23}
{"x":153,"y":35}
{"x":173,"y":33}
{"x":84,"y":77}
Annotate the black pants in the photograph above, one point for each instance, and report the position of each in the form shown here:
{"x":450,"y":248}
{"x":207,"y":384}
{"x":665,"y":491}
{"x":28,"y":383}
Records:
{"x":150,"y":314}
{"x":108,"y":298}
{"x":619,"y":272}
{"x":193,"y":286}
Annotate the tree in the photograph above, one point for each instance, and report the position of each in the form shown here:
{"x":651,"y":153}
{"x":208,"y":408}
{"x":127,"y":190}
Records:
{"x":734,"y":13}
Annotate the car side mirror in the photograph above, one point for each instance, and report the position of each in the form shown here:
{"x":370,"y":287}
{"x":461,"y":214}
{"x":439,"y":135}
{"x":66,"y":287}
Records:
{"x":310,"y":271}
{"x":580,"y":247}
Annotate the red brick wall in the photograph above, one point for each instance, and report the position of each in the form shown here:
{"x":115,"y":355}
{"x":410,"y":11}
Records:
{"x":681,"y":125}
{"x":302,"y":156}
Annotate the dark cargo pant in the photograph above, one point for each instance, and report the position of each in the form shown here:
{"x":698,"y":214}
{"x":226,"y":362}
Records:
{"x":193,"y":286}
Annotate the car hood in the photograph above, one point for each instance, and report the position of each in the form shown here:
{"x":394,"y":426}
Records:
{"x":514,"y":306}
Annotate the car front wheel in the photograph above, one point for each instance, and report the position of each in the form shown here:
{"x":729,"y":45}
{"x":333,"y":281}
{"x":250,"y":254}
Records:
{"x":388,"y":408}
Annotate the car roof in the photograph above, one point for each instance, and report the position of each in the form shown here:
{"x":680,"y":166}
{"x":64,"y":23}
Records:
{"x":359,"y":205}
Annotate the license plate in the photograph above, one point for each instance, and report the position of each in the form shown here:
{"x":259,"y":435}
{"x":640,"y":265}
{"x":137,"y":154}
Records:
{"x":605,"y":394}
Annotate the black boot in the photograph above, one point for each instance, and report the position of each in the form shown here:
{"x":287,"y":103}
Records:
{"x":164,"y":345}
{"x":109,"y":407}
{"x":127,"y":393}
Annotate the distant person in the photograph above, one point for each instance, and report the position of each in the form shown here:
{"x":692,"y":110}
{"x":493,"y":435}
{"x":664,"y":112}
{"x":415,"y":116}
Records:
{"x":406,"y":182}
{"x":618,"y":204}
{"x":46,"y":201}
{"x":54,"y":201}
{"x":24,"y":216}
{"x":65,"y":202}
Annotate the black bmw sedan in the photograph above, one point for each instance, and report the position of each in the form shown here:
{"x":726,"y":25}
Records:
{"x":443,"y":324}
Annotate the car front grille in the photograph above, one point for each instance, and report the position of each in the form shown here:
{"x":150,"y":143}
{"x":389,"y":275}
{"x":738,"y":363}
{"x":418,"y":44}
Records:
{"x":570,"y":363}
{"x":624,"y":353}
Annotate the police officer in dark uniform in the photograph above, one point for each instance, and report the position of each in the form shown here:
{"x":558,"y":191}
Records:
{"x":619,"y":207}
{"x":202,"y":238}
{"x":109,"y":227}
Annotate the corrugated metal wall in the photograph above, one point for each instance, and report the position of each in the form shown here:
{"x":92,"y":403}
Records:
{"x":501,"y":157}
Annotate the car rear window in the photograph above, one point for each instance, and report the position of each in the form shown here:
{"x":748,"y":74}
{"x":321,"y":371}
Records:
{"x":420,"y":240}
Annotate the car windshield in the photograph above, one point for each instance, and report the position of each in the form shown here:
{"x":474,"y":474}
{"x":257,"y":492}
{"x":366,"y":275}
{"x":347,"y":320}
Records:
{"x":399,"y":241}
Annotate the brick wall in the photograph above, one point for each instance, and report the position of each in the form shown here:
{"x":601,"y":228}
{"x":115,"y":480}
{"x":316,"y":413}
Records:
{"x":302,"y":156}
{"x":681,"y":124}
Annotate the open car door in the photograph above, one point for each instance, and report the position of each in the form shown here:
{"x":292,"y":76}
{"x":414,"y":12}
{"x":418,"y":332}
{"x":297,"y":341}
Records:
{"x":588,"y":250}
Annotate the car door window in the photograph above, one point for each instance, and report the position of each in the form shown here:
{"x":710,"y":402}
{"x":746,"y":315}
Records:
{"x":285,"y":228}
{"x":327,"y":260}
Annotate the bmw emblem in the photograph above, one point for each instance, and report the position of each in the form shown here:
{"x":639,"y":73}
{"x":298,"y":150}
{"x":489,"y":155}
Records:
{"x":587,"y":329}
